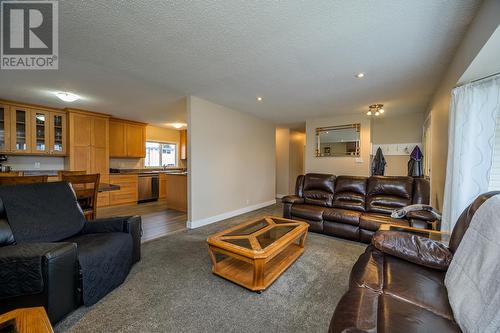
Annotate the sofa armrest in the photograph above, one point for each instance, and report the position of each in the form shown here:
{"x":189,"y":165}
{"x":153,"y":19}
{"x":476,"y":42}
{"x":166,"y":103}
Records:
{"x":413,"y":248}
{"x":128,"y":224}
{"x":39,"y":274}
{"x":292,"y":199}
{"x":421,"y":215}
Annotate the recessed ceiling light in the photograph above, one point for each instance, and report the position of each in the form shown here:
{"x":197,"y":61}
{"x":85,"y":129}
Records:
{"x":178,"y":125}
{"x":259,"y":99}
{"x":360,"y":75}
{"x":67,"y":96}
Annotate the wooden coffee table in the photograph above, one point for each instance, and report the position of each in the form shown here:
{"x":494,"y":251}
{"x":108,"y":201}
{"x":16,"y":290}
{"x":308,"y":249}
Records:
{"x":254,"y":254}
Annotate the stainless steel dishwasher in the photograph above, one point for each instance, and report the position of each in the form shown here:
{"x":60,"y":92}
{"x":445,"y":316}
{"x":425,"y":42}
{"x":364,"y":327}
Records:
{"x":149,"y":184}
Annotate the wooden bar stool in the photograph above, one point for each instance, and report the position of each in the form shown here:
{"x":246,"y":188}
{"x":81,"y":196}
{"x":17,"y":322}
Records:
{"x":86,"y":188}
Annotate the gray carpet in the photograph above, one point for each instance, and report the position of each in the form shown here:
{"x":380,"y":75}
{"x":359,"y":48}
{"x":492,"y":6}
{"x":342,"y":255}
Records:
{"x":172,"y":289}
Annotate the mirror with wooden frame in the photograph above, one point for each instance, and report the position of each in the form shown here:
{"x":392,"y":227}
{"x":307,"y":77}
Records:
{"x":338,"y":141}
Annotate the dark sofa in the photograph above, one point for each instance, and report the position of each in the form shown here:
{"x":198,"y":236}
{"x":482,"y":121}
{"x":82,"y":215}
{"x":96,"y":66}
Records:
{"x":51,"y":256}
{"x":354,"y":207}
{"x":402,"y":291}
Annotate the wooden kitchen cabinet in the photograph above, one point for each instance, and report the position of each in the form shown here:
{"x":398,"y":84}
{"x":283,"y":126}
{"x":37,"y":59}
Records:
{"x":88,"y":142}
{"x":127,"y":139}
{"x":128,"y":192}
{"x":4,"y":128}
{"x":162,"y":192}
{"x":183,"y":145}
{"x":117,"y":147}
{"x":58,"y":132}
{"x":32,"y":130}
{"x":176,"y":192}
{"x":103,"y":197}
{"x":20,"y":125}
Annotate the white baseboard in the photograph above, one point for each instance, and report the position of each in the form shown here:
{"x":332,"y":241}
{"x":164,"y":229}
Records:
{"x":227,"y":215}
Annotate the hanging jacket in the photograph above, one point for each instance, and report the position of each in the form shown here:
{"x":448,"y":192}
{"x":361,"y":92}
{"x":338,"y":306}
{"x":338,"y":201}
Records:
{"x":378,"y":163}
{"x":416,"y":163}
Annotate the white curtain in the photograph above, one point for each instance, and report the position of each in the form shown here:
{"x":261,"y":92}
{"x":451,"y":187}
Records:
{"x":473,"y":115}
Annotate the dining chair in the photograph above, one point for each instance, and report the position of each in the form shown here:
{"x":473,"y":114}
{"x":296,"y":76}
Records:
{"x":17,"y":180}
{"x":86,"y":188}
{"x":62,"y":173}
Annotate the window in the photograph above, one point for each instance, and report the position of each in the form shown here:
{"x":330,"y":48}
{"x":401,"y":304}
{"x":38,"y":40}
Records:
{"x":160,"y":154}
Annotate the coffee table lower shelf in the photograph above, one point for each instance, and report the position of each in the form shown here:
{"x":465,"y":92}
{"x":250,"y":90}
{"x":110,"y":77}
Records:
{"x":258,"y":274}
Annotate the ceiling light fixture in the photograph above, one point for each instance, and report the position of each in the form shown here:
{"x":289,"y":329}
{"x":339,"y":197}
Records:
{"x":360,"y":75}
{"x":375,"y":109}
{"x":177,"y":125}
{"x":67,"y":96}
{"x":259,"y":98}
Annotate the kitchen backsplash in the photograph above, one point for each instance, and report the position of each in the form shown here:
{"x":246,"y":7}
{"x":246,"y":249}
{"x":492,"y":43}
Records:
{"x":20,"y":163}
{"x":126,"y":163}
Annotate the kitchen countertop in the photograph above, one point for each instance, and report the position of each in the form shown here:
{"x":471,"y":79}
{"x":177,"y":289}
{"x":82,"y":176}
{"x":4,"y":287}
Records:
{"x":53,"y":173}
{"x":179,"y":172}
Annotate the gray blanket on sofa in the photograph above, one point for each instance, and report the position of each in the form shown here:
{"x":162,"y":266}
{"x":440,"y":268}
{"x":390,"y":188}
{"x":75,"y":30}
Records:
{"x":473,"y":278}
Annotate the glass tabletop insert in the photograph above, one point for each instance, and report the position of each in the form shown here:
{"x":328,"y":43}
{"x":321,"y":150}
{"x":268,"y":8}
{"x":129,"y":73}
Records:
{"x":272,"y":235}
{"x":249,"y":229}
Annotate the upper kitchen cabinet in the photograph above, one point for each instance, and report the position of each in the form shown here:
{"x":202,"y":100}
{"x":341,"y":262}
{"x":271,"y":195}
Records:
{"x":127,"y":139}
{"x":183,"y":145}
{"x":32,"y":130}
{"x":58,"y":132}
{"x":20,"y":125}
{"x":88,"y":142}
{"x":4,"y":128}
{"x":40,"y":125}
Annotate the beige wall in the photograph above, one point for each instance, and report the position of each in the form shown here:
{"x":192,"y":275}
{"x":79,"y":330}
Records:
{"x":282,"y":161}
{"x":289,"y":159}
{"x":297,"y":149}
{"x":28,"y":163}
{"x":232,"y":162}
{"x":338,"y":165}
{"x":484,"y":24}
{"x":405,"y":128}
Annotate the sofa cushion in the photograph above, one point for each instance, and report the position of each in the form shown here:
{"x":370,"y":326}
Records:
{"x":384,"y":194}
{"x":43,"y":212}
{"x":319,"y":189}
{"x":341,"y":216}
{"x":308,"y":212}
{"x":341,"y":230}
{"x":396,"y":315}
{"x":350,"y":193}
{"x":105,"y":260}
{"x":379,"y":283}
{"x":372,"y":221}
{"x":416,"y":284}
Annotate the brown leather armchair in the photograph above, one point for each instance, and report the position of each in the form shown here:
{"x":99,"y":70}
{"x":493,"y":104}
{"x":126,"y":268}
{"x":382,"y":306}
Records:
{"x":355,"y":207}
{"x":397,"y":285}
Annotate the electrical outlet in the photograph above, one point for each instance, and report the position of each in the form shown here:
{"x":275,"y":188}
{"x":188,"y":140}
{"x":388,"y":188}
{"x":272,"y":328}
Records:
{"x":37,"y":165}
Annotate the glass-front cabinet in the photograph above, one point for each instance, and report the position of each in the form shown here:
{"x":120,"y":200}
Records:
{"x":4,"y":128}
{"x":20,"y":130}
{"x":30,"y":131}
{"x":58,"y":133}
{"x":40,"y":131}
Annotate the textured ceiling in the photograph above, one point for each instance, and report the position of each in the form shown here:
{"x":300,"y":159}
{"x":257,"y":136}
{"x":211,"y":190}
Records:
{"x":136,"y":59}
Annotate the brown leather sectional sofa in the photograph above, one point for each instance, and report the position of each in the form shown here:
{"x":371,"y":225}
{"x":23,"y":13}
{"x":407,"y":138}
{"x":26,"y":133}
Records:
{"x":402,"y":291}
{"x":355,"y":207}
